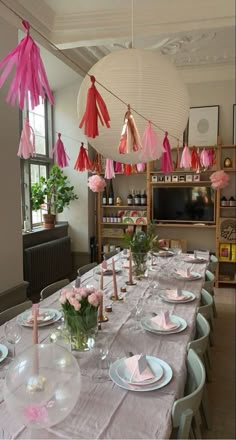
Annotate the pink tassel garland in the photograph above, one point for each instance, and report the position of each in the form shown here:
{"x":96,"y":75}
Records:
{"x":130,"y":140}
{"x":166,"y":163}
{"x":61,"y":158}
{"x":152,"y":148}
{"x":29,"y":82}
{"x":204,"y":158}
{"x":109,"y":171}
{"x":26,"y":145}
{"x":82,"y":163}
{"x":92,"y":113}
{"x":118,"y":167}
{"x":185,"y":161}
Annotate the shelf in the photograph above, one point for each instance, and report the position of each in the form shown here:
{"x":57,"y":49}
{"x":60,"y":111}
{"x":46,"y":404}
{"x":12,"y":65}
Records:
{"x":227,"y":261}
{"x":184,"y":225}
{"x":122,"y":224}
{"x":138,"y":207}
{"x":227,"y":281}
{"x":190,"y":172}
{"x":226,"y":242}
{"x":229,"y":169}
{"x":228,"y":146}
{"x":123,"y":174}
{"x":197,"y":183}
{"x":228,"y":207}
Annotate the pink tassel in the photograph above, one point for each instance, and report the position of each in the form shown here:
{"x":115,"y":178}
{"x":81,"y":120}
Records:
{"x":130,"y":139}
{"x":82,"y":163}
{"x":185,"y":158}
{"x":29,"y":82}
{"x":212,"y":157}
{"x":140,"y":167}
{"x":26,"y":146}
{"x":118,"y":167}
{"x":61,"y":158}
{"x":152,"y":147}
{"x":166,"y":163}
{"x":204,"y":158}
{"x":109,"y":172}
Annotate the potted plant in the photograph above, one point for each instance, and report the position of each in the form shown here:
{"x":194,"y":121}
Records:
{"x":55,"y":193}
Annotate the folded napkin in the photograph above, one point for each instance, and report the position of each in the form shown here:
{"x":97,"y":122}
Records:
{"x":40,"y":318}
{"x":184,"y":273}
{"x":104,"y":265}
{"x":133,"y":367}
{"x":163,"y":320}
{"x":175,"y":294}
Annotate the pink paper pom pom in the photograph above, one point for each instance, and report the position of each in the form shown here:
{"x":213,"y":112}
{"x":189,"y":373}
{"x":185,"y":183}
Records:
{"x":219,"y":179}
{"x":96,"y":183}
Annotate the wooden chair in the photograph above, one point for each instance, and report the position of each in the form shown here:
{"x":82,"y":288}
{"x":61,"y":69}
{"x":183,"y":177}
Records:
{"x":84,"y":269}
{"x":201,"y":346}
{"x":52,"y":288}
{"x":185,"y":411}
{"x":14,"y":311}
{"x":109,"y":255}
{"x":209,"y":286}
{"x":206,"y":309}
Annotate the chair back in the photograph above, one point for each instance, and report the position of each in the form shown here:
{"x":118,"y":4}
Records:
{"x":184,"y":409}
{"x":209,"y":282}
{"x":84,"y":269}
{"x":11,"y":313}
{"x":200,"y":343}
{"x":52,"y":288}
{"x":110,"y":255}
{"x":213,"y":264}
{"x":206,"y":307}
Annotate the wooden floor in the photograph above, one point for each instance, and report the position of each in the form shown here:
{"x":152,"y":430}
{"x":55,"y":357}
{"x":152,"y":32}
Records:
{"x":222,"y":388}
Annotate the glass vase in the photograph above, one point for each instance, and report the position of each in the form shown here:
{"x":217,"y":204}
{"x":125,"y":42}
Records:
{"x":140,"y":268}
{"x":82,"y":330}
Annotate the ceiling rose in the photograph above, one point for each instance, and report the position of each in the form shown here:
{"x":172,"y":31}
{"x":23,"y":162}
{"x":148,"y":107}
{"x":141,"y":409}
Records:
{"x":150,"y":84}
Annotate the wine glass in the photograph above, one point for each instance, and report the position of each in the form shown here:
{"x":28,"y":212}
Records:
{"x":13,"y":333}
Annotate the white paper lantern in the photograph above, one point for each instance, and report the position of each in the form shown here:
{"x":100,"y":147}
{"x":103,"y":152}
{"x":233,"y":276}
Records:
{"x":150,"y":84}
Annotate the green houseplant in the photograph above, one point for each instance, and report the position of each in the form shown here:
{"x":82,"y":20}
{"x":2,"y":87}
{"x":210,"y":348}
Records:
{"x":55,"y":193}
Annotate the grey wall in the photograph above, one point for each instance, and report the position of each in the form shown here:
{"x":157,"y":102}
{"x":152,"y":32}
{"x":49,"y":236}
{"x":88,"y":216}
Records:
{"x":11,"y":270}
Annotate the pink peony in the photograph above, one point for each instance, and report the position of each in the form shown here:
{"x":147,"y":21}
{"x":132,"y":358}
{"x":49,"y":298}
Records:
{"x":93,"y":300}
{"x":96,"y":183}
{"x":77,"y":305}
{"x":219,"y":179}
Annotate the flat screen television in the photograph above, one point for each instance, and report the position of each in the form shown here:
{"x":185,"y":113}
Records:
{"x":189,"y":204}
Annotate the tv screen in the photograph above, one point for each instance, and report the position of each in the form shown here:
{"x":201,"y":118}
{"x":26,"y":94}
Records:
{"x":184,"y":204}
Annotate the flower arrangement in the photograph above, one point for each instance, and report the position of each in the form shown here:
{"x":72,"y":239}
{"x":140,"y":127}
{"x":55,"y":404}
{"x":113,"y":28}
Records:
{"x":80,"y":306}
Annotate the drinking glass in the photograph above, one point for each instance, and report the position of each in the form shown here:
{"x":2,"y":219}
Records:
{"x":13,"y":333}
{"x":100,"y":352}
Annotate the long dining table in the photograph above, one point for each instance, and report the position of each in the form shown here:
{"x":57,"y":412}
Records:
{"x":105,"y":410}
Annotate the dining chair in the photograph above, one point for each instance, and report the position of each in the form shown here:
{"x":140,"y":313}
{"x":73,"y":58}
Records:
{"x":84,"y":269}
{"x":200,"y":345}
{"x":8,"y":314}
{"x":206,"y":309}
{"x":212,"y":266}
{"x":109,"y":255}
{"x":52,"y":288}
{"x":209,"y":286}
{"x":185,"y":411}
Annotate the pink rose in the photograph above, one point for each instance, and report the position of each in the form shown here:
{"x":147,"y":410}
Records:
{"x":90,"y":289}
{"x":72,"y":300}
{"x":69,"y":294}
{"x":99,"y":295}
{"x":83,"y":292}
{"x":77,"y":305}
{"x":93,"y":299}
{"x":62,"y":299}
{"x":78,"y":296}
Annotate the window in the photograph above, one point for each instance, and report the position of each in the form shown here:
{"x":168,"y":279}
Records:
{"x":40,"y":120}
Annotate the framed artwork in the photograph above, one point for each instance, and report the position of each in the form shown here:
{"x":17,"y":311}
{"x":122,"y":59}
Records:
{"x":234,"y":124}
{"x":203,"y":125}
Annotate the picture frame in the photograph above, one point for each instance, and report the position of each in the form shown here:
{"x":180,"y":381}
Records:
{"x":203,"y":125}
{"x":189,"y":178}
{"x":167,"y":178}
{"x":175,"y":178}
{"x":196,"y":178}
{"x":234,"y":124}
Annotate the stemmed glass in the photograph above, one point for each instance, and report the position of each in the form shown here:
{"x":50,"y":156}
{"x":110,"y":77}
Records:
{"x":13,"y":333}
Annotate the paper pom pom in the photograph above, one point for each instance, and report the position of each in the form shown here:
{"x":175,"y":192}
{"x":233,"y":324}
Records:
{"x":219,"y":179}
{"x":96,"y":183}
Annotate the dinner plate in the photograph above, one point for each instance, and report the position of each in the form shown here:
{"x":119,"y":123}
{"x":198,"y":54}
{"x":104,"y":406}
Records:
{"x":194,"y":276}
{"x":149,"y":326}
{"x":23,"y":317}
{"x":107,"y":272}
{"x":174,"y":319}
{"x":124,"y":373}
{"x":195,"y":260}
{"x":189,"y":297}
{"x":3,"y":352}
{"x":165,"y":379}
{"x":164,"y":254}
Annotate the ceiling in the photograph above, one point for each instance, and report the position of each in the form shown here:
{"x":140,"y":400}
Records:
{"x":197,"y":35}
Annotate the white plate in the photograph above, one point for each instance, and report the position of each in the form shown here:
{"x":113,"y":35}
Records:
{"x":22,"y":318}
{"x":166,"y":378}
{"x":147,"y":325}
{"x":195,"y":260}
{"x":174,"y":319}
{"x":189,"y":297}
{"x":164,"y":254}
{"x":3,"y":352}
{"x":124,"y":374}
{"x":108,"y":272}
{"x":194,"y":276}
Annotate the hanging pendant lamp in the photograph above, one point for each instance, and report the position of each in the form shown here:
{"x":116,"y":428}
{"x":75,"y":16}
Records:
{"x":153,"y":87}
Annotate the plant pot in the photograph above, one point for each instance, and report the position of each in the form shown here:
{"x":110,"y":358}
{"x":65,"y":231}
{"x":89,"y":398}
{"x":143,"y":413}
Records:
{"x":49,"y":221}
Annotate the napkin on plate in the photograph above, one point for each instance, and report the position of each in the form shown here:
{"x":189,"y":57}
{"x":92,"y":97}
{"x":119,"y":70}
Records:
{"x":133,"y":367}
{"x":163,"y":320}
{"x":175,"y":294}
{"x":40,"y":317}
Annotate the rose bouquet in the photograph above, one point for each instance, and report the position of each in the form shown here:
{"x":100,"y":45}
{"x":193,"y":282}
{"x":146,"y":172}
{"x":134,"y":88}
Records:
{"x":80,"y":307}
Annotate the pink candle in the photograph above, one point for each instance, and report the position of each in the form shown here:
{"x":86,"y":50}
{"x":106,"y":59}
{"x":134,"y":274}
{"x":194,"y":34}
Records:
{"x":130,"y":268}
{"x":114,"y":278}
{"x":100,"y":309}
{"x":35,"y":323}
{"x":101,"y":280}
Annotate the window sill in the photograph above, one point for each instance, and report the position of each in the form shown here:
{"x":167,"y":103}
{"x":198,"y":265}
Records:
{"x":41,"y":235}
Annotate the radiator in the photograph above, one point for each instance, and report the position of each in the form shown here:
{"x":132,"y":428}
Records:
{"x":46,"y":263}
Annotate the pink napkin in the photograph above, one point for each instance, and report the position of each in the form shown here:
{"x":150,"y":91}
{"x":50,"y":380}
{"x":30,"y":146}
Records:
{"x":175,"y":294}
{"x":104,"y":265}
{"x":132,"y":365}
{"x":184,"y":273}
{"x":163,"y":320}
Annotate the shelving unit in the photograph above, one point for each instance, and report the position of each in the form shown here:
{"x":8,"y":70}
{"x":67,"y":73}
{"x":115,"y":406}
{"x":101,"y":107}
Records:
{"x":226,"y":222}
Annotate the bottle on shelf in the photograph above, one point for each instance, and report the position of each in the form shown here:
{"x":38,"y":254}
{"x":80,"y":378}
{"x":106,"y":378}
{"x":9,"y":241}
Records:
{"x":224,"y":201}
{"x":232,"y":201}
{"x":104,"y":197}
{"x":111,"y":194}
{"x":130,"y":199}
{"x":137,"y":199}
{"x":143,"y":198}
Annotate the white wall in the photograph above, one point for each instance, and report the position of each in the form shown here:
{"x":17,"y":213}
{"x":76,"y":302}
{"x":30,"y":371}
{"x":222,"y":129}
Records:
{"x":66,"y":122}
{"x":11,"y":261}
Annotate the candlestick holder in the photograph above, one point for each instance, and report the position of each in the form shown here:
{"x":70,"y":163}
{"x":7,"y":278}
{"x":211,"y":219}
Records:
{"x":103,"y":318}
{"x":130,"y":283}
{"x":117,"y":298}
